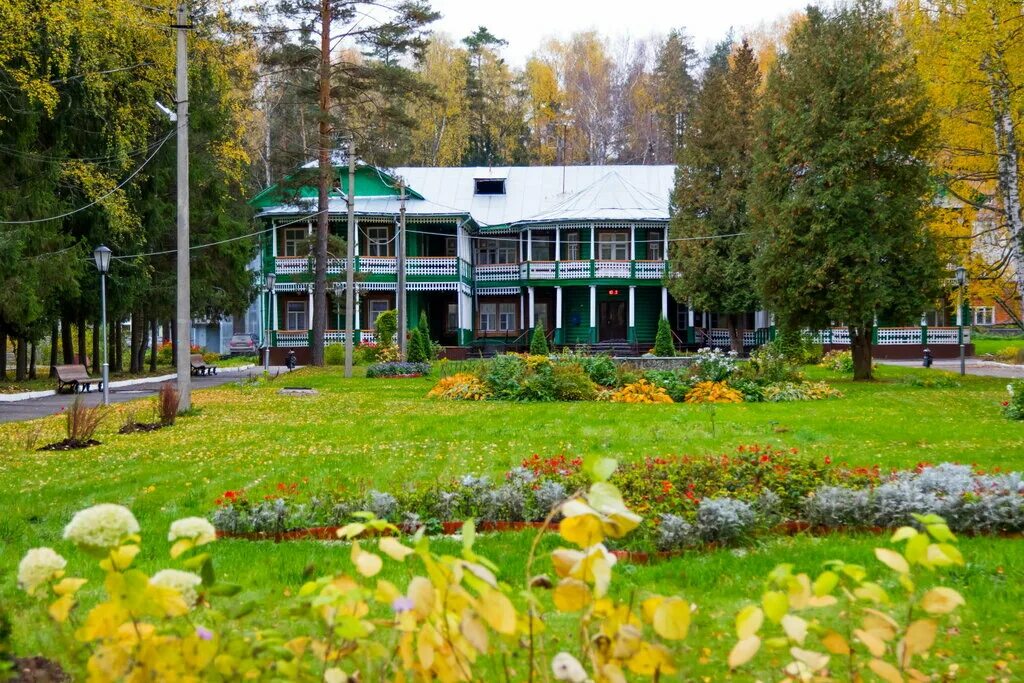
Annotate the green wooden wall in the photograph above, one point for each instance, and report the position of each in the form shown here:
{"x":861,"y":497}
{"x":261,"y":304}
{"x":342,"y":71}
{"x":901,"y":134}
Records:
{"x":576,"y":305}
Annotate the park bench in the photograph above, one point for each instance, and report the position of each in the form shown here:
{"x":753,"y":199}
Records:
{"x":75,"y":378}
{"x":200,"y":367}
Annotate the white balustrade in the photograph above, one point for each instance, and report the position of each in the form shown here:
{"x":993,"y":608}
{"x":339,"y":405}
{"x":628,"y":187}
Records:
{"x":574,"y":270}
{"x":334,"y":337}
{"x":539,"y":270}
{"x":618,"y":269}
{"x":891,"y":336}
{"x":291,"y":265}
{"x":498,"y":271}
{"x":292,"y":338}
{"x":431,"y":265}
{"x":649,"y":270}
{"x":380,"y":265}
{"x":948,"y":335}
{"x":367,"y":337}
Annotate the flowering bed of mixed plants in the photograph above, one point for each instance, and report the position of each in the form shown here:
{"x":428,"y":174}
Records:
{"x":712,"y":377}
{"x":691,"y":500}
{"x":1013,"y":406}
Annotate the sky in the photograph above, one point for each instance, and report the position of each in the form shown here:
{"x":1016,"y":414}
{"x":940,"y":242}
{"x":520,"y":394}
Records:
{"x":525,"y":23}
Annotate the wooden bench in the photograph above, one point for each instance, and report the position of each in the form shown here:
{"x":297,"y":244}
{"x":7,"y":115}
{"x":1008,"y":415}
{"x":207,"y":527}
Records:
{"x":200,"y":367}
{"x":75,"y":378}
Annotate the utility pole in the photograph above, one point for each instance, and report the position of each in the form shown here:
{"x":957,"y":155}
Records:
{"x":184,"y":288}
{"x":326,"y":177}
{"x":400,"y":246}
{"x":350,"y":295}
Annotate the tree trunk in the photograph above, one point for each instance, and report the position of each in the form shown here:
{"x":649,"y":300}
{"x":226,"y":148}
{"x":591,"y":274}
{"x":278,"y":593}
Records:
{"x":53,"y":346}
{"x":3,"y":353}
{"x":323,"y":187}
{"x":118,"y":346}
{"x":860,"y":346}
{"x":67,"y":348}
{"x":735,"y":323}
{"x":153,"y":345}
{"x":96,"y":332}
{"x":83,"y":355}
{"x":20,"y":360}
{"x":138,"y":338}
{"x":32,"y":361}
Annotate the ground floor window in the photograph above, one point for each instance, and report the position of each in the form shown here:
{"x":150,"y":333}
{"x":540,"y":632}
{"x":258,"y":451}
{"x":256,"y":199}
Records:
{"x":497,"y":317}
{"x":506,"y":317}
{"x":453,"y":317}
{"x":540,"y":314}
{"x":682,"y":318}
{"x":984,"y":315}
{"x":375,"y":307}
{"x":295,"y":318}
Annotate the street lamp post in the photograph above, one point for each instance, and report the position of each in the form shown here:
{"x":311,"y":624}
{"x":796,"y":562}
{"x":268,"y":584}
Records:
{"x":271,"y":280}
{"x":102,"y":257}
{"x":961,"y":281}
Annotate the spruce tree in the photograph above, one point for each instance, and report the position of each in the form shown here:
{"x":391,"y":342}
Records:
{"x":841,"y":189}
{"x":714,"y":271}
{"x":426,"y":345}
{"x":415,"y":353}
{"x":663,"y":346}
{"x":539,"y":341}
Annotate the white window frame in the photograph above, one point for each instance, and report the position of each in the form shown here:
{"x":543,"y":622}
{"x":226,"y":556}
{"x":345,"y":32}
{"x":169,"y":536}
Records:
{"x":488,"y":316}
{"x":452,"y":320}
{"x":376,"y":245}
{"x":451,"y":246}
{"x":494,"y":251}
{"x":654,"y":244}
{"x":983,"y":315}
{"x":290,"y":238}
{"x":296,"y":310}
{"x":613,"y":246}
{"x":373,"y":310}
{"x":507,"y":316}
{"x":572,"y":246}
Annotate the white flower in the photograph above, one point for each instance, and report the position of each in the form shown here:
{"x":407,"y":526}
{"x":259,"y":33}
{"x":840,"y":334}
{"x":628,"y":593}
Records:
{"x":37,"y":567}
{"x":568,"y":668}
{"x":197,"y":529}
{"x":1009,"y":388}
{"x":183,"y":582}
{"x":101,"y":527}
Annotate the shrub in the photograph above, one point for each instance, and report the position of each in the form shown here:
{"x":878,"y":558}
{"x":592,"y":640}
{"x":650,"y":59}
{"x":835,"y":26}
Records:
{"x":675,"y":532}
{"x":751,"y":389}
{"x":382,"y":505}
{"x":663,"y":346}
{"x":838,"y":506}
{"x":806,"y":391}
{"x":414,"y":349}
{"x":504,"y":375}
{"x":426,"y":345}
{"x":838,"y":361}
{"x":712,"y":365}
{"x":933,"y":380}
{"x":601,"y":369}
{"x":713,"y":392}
{"x":167,"y":404}
{"x":1013,"y":406}
{"x":571,"y":383}
{"x":334,"y":354}
{"x":1011,"y":354}
{"x":397,"y":369}
{"x":460,"y":387}
{"x":724,"y":520}
{"x":539,"y":385}
{"x":768,"y":364}
{"x":641,"y":391}
{"x":387,"y":327}
{"x":799,"y":348}
{"x":539,"y":342}
{"x":81,"y":421}
{"x":362,"y":354}
{"x":675,"y":382}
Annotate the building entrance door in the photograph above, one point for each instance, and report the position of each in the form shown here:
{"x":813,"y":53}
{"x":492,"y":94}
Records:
{"x":611,"y":320}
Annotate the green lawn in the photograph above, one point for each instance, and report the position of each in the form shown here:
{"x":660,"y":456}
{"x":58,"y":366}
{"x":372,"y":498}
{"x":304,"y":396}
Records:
{"x":385,"y":434}
{"x":995,"y":345}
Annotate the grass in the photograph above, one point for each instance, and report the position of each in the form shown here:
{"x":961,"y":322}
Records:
{"x":998,"y":346}
{"x":385,"y":434}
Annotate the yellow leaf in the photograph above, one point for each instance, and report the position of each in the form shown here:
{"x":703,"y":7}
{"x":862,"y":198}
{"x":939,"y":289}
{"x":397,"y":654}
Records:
{"x":390,"y":546}
{"x":893,"y":560}
{"x":335,"y":675}
{"x":473,"y":630}
{"x":871,"y":591}
{"x":825,"y":583}
{"x":814,"y":661}
{"x":369,"y":564}
{"x":565,"y":559}
{"x":886,"y":671}
{"x":651,"y":659}
{"x":386,"y":592}
{"x":571,"y":595}
{"x":835,"y":643}
{"x":351,"y":530}
{"x":795,"y":628}
{"x":775,"y":604}
{"x":421,"y":592}
{"x":941,"y":600}
{"x":498,"y":612}
{"x":748,"y":621}
{"x":61,"y":607}
{"x":903,"y":533}
{"x":180,"y":546}
{"x":874,"y":644}
{"x":672,"y":619}
{"x":649,"y":606}
{"x":584,"y":530}
{"x":743,"y":651}
{"x":69,"y":586}
{"x":120,"y":558}
{"x":920,"y":636}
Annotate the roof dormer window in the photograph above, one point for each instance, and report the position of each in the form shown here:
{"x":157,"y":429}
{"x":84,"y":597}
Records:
{"x":489,"y":185}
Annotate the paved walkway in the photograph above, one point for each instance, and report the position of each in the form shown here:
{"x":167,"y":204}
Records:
{"x":972,"y":367}
{"x":33,"y":408}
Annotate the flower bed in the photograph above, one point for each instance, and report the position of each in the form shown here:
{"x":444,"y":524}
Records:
{"x":709,"y":377}
{"x":1013,"y":407}
{"x":689,"y":500}
{"x":393,"y":369}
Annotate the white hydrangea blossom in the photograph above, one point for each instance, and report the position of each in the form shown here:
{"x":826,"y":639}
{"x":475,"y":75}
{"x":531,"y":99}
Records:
{"x":37,"y":567}
{"x":101,"y":527}
{"x":568,"y":668}
{"x":197,"y":529}
{"x":183,"y":582}
{"x":1009,"y":388}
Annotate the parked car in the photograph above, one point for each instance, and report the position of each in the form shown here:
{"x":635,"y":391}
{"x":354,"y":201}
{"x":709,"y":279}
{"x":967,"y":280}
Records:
{"x":244,"y":344}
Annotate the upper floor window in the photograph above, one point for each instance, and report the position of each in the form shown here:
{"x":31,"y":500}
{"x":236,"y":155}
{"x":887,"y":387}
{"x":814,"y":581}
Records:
{"x":542,"y":246}
{"x":489,"y":186}
{"x":613,"y":246}
{"x":378,"y":242}
{"x":572,"y":246}
{"x":291,"y":238}
{"x":984,"y":315}
{"x":451,"y":246}
{"x":655,"y":245}
{"x":496,"y":251}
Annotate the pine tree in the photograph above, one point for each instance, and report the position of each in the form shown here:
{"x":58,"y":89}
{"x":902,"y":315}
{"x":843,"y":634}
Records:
{"x":663,"y":347}
{"x":710,"y":198}
{"x":539,"y":341}
{"x":841,"y":189}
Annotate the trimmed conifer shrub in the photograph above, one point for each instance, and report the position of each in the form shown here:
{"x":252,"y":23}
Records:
{"x":663,"y":341}
{"x":539,"y":341}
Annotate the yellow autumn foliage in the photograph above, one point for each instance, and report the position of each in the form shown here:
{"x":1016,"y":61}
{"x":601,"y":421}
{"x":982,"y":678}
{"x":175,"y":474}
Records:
{"x":713,"y":392}
{"x":460,"y":387}
{"x":641,"y":391}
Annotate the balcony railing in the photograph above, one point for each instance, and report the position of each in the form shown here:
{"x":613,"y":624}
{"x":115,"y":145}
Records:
{"x":300,"y":338}
{"x":894,"y":336}
{"x":571,"y":270}
{"x":443,"y":266}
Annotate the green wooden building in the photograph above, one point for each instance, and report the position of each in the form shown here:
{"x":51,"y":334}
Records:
{"x":490,"y":253}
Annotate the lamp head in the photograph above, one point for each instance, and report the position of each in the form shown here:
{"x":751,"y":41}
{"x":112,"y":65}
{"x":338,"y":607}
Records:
{"x":271,"y":281}
{"x":961,"y":276}
{"x":101,"y":255}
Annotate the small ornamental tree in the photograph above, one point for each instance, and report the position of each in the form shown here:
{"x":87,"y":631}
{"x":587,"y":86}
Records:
{"x":841,"y":189}
{"x":387,"y":326}
{"x":425,"y":343}
{"x":539,"y":342}
{"x":415,"y":353}
{"x":663,"y":341}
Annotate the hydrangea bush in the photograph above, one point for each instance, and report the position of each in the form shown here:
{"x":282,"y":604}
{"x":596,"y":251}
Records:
{"x":1013,"y":406}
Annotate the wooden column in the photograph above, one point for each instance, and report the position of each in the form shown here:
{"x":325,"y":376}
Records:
{"x":593,"y":313}
{"x":309,"y":316}
{"x":529,"y":292}
{"x":664,"y":302}
{"x":558,"y":314}
{"x":631,"y":319}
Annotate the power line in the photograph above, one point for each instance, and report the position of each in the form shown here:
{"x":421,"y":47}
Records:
{"x":14,"y":152}
{"x":101,"y":198}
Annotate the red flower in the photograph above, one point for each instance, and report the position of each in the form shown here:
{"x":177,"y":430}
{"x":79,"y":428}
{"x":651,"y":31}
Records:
{"x":281,"y":486}
{"x":231,"y":495}
{"x":764,"y":458}
{"x":828,"y":459}
{"x":666,"y":486}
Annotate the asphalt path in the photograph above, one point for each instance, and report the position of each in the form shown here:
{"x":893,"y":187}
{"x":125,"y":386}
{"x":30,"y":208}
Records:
{"x":33,"y":408}
{"x":973,"y":366}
